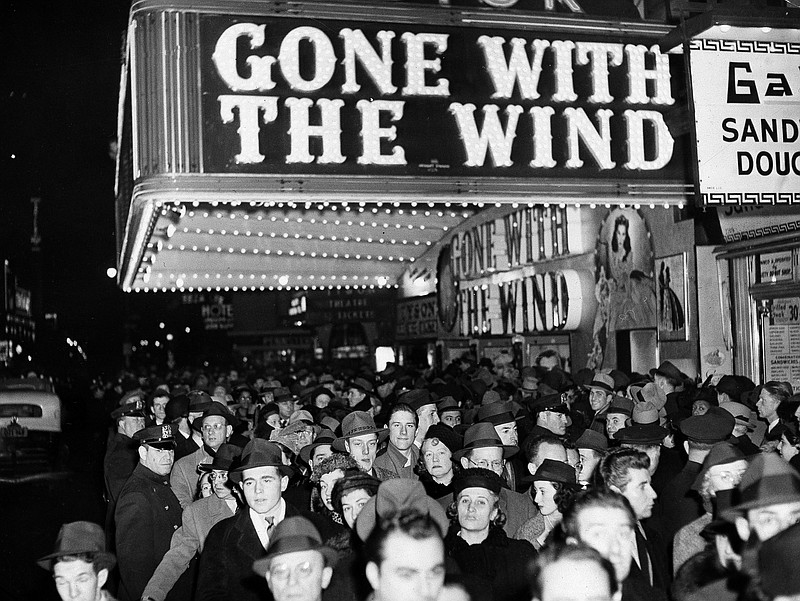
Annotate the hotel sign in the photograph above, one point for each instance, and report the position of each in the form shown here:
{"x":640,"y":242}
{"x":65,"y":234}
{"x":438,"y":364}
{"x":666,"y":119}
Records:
{"x":300,"y":96}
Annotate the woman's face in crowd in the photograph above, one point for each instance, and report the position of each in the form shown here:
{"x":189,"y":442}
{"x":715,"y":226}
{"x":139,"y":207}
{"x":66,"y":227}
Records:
{"x":352,"y":503}
{"x":544,"y":497}
{"x":326,"y":483}
{"x":786,"y":449}
{"x":437,"y":457}
{"x":476,"y":508}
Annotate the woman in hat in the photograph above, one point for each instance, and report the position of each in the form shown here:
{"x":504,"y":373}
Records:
{"x":440,"y":443}
{"x":351,"y":493}
{"x":554,"y":488}
{"x":203,"y":486}
{"x":324,"y":475}
{"x":495,"y":566}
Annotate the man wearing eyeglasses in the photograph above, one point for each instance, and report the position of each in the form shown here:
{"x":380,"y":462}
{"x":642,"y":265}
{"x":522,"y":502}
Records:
{"x":484,"y":448}
{"x":297,"y":566}
{"x":147,"y":514}
{"x":216,"y":426}
{"x":198,"y":519}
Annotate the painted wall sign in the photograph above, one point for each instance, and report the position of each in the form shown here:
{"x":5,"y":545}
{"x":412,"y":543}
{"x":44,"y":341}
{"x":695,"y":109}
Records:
{"x":284,"y":95}
{"x":775,"y":267}
{"x":747,"y":100}
{"x":748,"y":222}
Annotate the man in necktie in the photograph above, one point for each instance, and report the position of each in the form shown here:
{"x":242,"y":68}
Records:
{"x":235,"y":543}
{"x":627,"y":472}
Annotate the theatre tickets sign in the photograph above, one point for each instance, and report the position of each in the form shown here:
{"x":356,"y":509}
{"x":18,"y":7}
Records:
{"x":746,"y":98}
{"x":301,"y":96}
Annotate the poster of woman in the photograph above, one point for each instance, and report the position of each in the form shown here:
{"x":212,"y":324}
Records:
{"x":625,"y":285}
{"x":672,"y":297}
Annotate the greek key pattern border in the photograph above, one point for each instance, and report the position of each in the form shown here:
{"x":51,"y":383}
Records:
{"x":745,"y":46}
{"x":751,"y":198}
{"x":789,"y":226}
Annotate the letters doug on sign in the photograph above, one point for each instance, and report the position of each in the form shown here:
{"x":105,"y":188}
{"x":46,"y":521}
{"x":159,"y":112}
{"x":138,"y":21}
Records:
{"x":369,"y":97}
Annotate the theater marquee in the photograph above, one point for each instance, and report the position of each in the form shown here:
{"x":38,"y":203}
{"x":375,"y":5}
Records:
{"x":283,"y":95}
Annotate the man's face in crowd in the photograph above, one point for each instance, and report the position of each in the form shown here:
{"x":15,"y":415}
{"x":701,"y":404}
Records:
{"x":355,"y":396}
{"x":555,"y":421}
{"x":131,"y":424}
{"x":767,"y":405}
{"x":769,"y":521}
{"x":221,"y":485}
{"x":298,"y":576}
{"x":321,"y":401}
{"x":427,"y":416}
{"x":157,"y":460}
{"x":274,"y":420}
{"x":160,"y":407}
{"x":286,"y":408}
{"x":700,"y":407}
{"x":608,"y":530}
{"x":575,"y":580}
{"x":323,"y":451}
{"x":590,"y":459}
{"x":614,"y":423}
{"x":76,"y":580}
{"x":363,"y":449}
{"x":599,"y":399}
{"x":508,"y":433}
{"x":490,"y":458}
{"x":215,"y":431}
{"x":451,"y":418}
{"x":412,"y":569}
{"x":640,"y":493}
{"x":727,"y":476}
{"x":402,"y":429}
{"x":262,"y":488}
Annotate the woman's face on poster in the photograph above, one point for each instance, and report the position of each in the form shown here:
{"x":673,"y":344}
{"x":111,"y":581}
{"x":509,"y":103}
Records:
{"x":620,"y":233}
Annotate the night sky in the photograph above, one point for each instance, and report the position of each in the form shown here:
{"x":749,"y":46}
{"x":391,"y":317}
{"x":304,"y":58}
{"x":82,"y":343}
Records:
{"x":59,"y":111}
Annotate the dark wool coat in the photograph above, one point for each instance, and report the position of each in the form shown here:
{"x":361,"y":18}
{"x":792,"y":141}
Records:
{"x":147,"y":515}
{"x":495,"y":569}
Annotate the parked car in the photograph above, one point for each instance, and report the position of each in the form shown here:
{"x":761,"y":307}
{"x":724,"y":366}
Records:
{"x":30,"y":421}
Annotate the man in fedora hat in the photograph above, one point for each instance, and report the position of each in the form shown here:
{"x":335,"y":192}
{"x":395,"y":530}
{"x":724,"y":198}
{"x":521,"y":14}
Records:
{"x":483,"y":448}
{"x":450,"y":413}
{"x":235,"y":543}
{"x":601,"y":391}
{"x":297,"y":566}
{"x":401,"y":454}
{"x":359,"y":393}
{"x":501,"y":416}
{"x":177,"y":414}
{"x":767,"y":498}
{"x":672,"y":385}
{"x":198,"y":519}
{"x":361,"y":439}
{"x":147,"y":515}
{"x":216,"y":426}
{"x":424,"y":405}
{"x":80,"y":563}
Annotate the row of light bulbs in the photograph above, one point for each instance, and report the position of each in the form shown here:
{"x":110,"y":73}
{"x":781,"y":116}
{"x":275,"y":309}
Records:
{"x":261,"y":288}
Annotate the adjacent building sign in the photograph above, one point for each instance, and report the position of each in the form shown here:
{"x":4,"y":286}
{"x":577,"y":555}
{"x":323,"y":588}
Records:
{"x":775,"y":267}
{"x":287,"y":95}
{"x":746,"y":98}
{"x":748,"y":222}
{"x":416,"y":318}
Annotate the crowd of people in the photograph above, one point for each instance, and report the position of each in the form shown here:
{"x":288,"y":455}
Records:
{"x":482,"y":483}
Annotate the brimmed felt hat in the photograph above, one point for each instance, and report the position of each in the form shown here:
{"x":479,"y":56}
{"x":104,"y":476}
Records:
{"x":282,"y":395}
{"x":641,"y":434}
{"x":530,"y":379}
{"x":293,"y":534}
{"x":199,"y":401}
{"x":162,"y":436}
{"x":358,"y":423}
{"x":226,"y":456}
{"x":721,"y":453}
{"x":713,"y":426}
{"x":301,"y":416}
{"x":735,"y":386}
{"x":446,"y":435}
{"x":321,"y":390}
{"x":668,"y":370}
{"x":177,"y":408}
{"x":740,"y":412}
{"x":396,"y":496}
{"x":362,"y":384}
{"x":620,"y":404}
{"x":417,"y":398}
{"x":481,"y":436}
{"x":621,"y":379}
{"x":648,"y":393}
{"x":79,"y":538}
{"x":645,"y":413}
{"x":325,"y":437}
{"x":447,"y":403}
{"x":490,"y":397}
{"x":769,"y":480}
{"x":355,"y":481}
{"x":555,"y":471}
{"x":592,"y":439}
{"x":777,"y":564}
{"x":259,"y":453}
{"x":215,"y":410}
{"x":330,"y":422}
{"x":477,"y":477}
{"x":496,"y":413}
{"x":602,"y":382}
